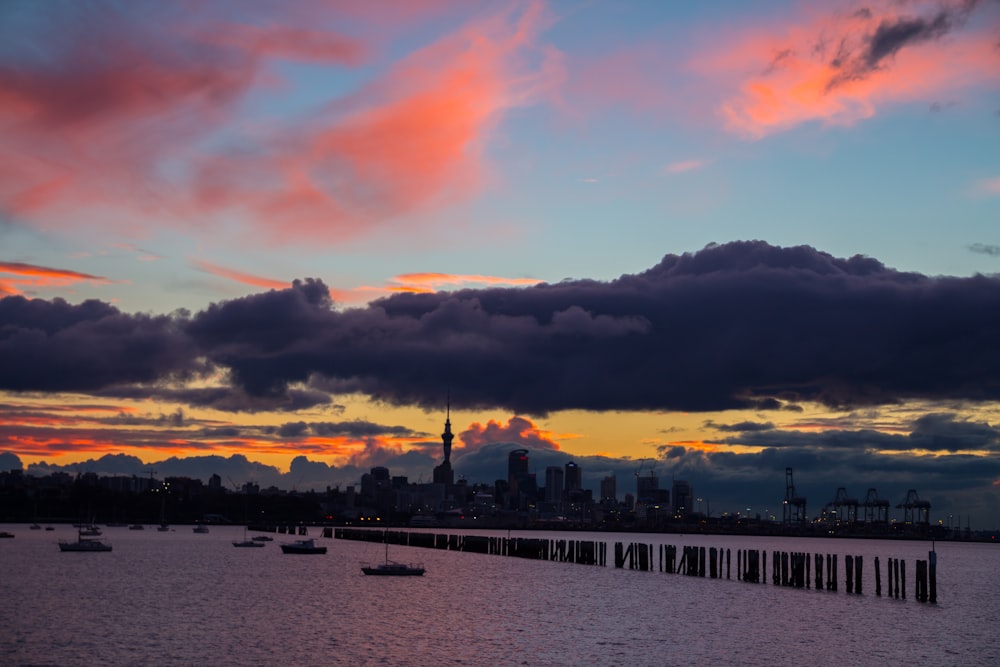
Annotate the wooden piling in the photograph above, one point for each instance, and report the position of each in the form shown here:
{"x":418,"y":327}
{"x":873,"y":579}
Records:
{"x":878,"y":579}
{"x":902,"y":576}
{"x":858,"y":563}
{"x":727,"y":565}
{"x":932,"y":576}
{"x":849,"y":573}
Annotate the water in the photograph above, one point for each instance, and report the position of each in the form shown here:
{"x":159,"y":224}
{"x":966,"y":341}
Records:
{"x":179,"y":598}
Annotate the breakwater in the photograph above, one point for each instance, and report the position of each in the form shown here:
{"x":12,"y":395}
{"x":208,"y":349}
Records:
{"x":792,"y":569}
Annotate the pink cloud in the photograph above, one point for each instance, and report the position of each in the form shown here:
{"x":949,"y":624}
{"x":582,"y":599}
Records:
{"x":240,"y":276}
{"x":840,"y":68}
{"x":686,"y":165}
{"x":989,"y":187}
{"x":519,"y":430}
{"x":411,"y":141}
{"x":130,"y":112}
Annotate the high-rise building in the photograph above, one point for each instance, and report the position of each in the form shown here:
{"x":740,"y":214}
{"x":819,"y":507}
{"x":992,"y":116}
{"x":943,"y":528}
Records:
{"x":609,"y":490}
{"x":574,"y":481}
{"x":554,"y":483}
{"x":683,"y":494}
{"x":646,"y":488}
{"x":517,"y":465}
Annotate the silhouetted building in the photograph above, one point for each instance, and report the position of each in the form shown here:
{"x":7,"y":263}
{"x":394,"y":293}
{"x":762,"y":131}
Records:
{"x":517,"y":465}
{"x":553,"y":483}
{"x":647,"y":488}
{"x":574,"y":478}
{"x":683,"y":498}
{"x":609,"y":490}
{"x":443,"y":474}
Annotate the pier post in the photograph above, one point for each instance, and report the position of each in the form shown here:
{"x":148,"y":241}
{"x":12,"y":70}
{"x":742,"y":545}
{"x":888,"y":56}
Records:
{"x":849,"y":573}
{"x":727,"y":564}
{"x":932,"y":558}
{"x":902,"y":576}
{"x":858,"y":563}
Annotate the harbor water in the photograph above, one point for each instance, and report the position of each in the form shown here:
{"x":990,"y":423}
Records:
{"x":180,"y":598}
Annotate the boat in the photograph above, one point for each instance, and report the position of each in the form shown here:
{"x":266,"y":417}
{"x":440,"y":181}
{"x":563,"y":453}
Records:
{"x":302,"y":547}
{"x":393,"y":569}
{"x":84,"y":543}
{"x":34,"y":526}
{"x":262,"y":538}
{"x":246,"y":542}
{"x":201,"y":528}
{"x":4,"y":534}
{"x":137,"y":526}
{"x":89,"y":530}
{"x":49,"y":528}
{"x":163,"y":528}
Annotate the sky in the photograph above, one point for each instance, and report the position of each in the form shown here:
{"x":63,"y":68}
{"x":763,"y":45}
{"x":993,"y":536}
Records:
{"x":705,"y":241}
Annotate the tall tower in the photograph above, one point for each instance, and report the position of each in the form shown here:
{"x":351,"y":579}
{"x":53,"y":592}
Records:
{"x":447,"y":437}
{"x":443,"y":473}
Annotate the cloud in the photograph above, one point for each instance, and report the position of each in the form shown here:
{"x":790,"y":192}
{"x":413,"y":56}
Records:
{"x":55,"y":346}
{"x":408,"y":142}
{"x":839,"y":68}
{"x":985,"y":249}
{"x":738,"y":325}
{"x":238,"y":276}
{"x":517,"y":431}
{"x":686,"y":165}
{"x":113,"y":111}
{"x":430,"y":282}
{"x":35,"y":276}
{"x":988,"y":187}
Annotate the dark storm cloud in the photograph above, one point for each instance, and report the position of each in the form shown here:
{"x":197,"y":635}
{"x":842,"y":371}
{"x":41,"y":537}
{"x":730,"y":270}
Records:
{"x":741,"y":427}
{"x":56,"y":346}
{"x":226,"y":399}
{"x":739,"y":325}
{"x":935,"y":432}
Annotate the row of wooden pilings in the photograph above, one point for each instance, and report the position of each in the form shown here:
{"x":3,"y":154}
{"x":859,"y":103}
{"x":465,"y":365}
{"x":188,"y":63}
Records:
{"x":581,"y":552}
{"x":792,"y":569}
{"x":787,"y":568}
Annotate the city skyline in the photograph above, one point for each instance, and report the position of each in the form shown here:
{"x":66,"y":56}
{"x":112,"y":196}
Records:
{"x":291,"y":242}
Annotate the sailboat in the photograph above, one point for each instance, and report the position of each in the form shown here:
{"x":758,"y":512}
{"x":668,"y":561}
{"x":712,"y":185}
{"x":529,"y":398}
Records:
{"x":84,"y":543}
{"x":393,"y":569}
{"x":247,"y":542}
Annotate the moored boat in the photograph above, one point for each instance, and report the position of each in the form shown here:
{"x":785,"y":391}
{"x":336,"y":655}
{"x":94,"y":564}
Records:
{"x":302,"y":547}
{"x":84,"y":543}
{"x":393,"y":569}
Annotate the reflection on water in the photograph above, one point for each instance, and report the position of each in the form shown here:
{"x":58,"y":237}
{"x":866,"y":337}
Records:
{"x":181,"y":599}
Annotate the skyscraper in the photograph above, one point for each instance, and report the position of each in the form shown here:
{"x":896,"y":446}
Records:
{"x":683,"y":494}
{"x":553,"y":483}
{"x":574,"y":478}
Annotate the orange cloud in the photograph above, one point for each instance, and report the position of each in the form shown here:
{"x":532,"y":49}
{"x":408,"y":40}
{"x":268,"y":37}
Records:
{"x":36,"y":276}
{"x":409,"y":142}
{"x":129,"y":112}
{"x":519,"y":430}
{"x":840,"y":69}
{"x":239,"y":276}
{"x":430,"y":282}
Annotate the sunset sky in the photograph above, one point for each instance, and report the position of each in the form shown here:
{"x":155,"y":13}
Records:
{"x":710,"y":239}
